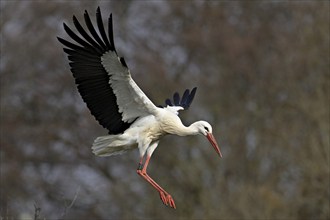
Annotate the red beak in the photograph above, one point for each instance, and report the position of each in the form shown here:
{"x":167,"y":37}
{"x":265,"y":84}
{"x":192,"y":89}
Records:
{"x":214,"y":143}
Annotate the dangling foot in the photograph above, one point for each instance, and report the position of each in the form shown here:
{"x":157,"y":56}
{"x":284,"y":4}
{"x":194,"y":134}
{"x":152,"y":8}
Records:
{"x":164,"y":196}
{"x":167,"y":199}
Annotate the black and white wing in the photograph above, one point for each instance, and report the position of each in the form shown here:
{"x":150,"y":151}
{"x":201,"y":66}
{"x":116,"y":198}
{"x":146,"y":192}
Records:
{"x":103,"y":79}
{"x":184,"y":102}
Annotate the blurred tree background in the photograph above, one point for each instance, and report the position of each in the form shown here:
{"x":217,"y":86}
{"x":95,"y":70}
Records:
{"x":262,"y":69}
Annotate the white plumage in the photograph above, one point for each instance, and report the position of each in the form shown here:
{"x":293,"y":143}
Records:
{"x":118,"y":104}
{"x":132,"y":102}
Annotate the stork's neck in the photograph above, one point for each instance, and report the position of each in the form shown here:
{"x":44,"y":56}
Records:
{"x":190,"y":130}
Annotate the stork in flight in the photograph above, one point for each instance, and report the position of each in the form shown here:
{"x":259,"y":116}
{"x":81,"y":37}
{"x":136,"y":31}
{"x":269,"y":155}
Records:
{"x":119,"y":105}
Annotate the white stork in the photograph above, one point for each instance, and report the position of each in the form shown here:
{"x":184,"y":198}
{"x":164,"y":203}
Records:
{"x":119,"y":105}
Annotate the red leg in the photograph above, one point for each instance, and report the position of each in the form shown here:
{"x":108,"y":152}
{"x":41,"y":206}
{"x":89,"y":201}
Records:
{"x":164,"y":196}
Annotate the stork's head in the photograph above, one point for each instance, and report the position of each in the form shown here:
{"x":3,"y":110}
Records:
{"x":205,"y":129}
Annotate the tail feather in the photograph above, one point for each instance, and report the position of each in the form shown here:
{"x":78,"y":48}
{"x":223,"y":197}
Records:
{"x":111,"y":145}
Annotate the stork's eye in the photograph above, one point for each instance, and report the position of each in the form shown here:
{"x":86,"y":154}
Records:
{"x":206,"y":128}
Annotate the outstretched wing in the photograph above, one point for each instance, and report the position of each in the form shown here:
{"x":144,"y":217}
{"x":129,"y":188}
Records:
{"x":184,"y":102}
{"x":103,"y":79}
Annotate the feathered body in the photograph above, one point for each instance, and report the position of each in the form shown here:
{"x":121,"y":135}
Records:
{"x":147,"y":129}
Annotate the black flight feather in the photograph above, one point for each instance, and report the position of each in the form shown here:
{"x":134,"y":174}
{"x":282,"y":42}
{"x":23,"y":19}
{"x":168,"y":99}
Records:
{"x":81,"y":30}
{"x":92,"y":29}
{"x":185,"y":101}
{"x":110,"y":33}
{"x":101,"y":27}
{"x":122,"y":60}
